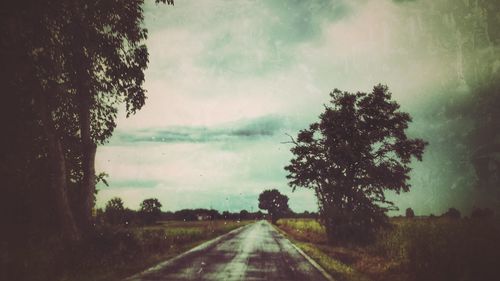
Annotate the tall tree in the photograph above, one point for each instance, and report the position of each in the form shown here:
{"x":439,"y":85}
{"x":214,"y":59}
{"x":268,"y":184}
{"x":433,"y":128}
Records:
{"x":71,"y":64}
{"x":275,"y":203}
{"x":358,"y":150}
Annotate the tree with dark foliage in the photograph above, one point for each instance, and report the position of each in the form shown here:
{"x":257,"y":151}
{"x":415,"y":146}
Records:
{"x":409,"y":213}
{"x":70,"y":65}
{"x":150,"y":210}
{"x":355,"y":152}
{"x":452,"y":213}
{"x":275,"y":203}
{"x":115,"y":212}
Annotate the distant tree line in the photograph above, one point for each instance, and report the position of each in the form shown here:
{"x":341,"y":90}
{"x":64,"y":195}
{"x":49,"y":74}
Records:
{"x":453,"y":213}
{"x":150,"y":212}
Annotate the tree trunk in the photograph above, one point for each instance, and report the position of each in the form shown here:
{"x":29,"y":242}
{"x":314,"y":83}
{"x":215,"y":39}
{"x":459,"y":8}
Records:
{"x":82,"y":81}
{"x":58,"y":178}
{"x":88,"y":162}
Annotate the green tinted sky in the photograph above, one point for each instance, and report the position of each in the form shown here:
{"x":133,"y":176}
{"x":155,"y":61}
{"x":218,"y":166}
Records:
{"x":228,"y":79}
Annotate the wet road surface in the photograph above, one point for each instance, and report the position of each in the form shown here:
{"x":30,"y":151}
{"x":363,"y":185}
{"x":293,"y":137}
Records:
{"x":253,"y":252}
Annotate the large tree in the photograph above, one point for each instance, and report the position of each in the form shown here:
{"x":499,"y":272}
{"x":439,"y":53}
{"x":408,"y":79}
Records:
{"x":275,"y":203}
{"x":356,"y":152}
{"x":71,"y":64}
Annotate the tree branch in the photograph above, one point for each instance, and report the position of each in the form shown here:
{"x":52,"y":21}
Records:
{"x":292,"y":140}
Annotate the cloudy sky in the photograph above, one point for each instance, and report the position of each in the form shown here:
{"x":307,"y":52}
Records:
{"x":227,"y":80}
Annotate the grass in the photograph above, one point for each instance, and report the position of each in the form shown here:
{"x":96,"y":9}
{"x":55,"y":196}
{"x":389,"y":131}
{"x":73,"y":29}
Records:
{"x":412,"y":249}
{"x":310,"y":236}
{"x":116,"y":253}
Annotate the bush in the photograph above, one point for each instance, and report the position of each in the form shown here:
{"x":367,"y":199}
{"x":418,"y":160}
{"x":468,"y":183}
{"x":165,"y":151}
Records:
{"x":443,"y":249}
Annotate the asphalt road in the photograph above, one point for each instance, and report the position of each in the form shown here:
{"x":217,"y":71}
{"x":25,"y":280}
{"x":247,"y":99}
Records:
{"x":253,"y":252}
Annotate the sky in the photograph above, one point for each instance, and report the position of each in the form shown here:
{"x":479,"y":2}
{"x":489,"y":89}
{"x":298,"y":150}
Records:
{"x":228,"y":80}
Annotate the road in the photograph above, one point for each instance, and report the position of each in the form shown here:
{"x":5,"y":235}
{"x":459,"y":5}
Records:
{"x":253,"y":252}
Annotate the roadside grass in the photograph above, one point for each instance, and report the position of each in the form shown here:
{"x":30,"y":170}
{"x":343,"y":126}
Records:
{"x":119,"y":252}
{"x":412,"y":249}
{"x":309,"y":235}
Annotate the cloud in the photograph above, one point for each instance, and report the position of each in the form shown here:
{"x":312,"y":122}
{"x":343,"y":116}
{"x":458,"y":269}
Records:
{"x":265,"y":126}
{"x":244,"y":37}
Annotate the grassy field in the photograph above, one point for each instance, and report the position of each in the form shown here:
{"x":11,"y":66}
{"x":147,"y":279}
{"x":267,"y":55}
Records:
{"x":116,"y":253}
{"x":413,"y":249}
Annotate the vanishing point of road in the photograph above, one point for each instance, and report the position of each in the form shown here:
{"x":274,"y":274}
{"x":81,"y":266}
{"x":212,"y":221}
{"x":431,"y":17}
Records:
{"x":252,"y":252}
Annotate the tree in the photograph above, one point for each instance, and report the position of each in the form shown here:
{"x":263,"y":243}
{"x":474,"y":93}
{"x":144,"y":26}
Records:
{"x":350,"y":157}
{"x":410,"y":213}
{"x":71,"y":64}
{"x":275,"y":203}
{"x":115,"y":212}
{"x":452,"y":213}
{"x":150,"y":210}
{"x":244,"y":215}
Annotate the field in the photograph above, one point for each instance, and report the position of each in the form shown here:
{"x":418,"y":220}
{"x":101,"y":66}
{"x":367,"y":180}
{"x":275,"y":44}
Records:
{"x":412,"y":249}
{"x":116,"y":253}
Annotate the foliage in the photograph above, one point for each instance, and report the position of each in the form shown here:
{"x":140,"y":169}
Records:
{"x":275,"y":203}
{"x":150,"y":210}
{"x":244,"y":215}
{"x":452,"y":213}
{"x":443,"y":249}
{"x":195,"y":214}
{"x":409,"y":213}
{"x":71,"y":64}
{"x":357,"y":151}
{"x":115,"y":212}
{"x":438,"y":249}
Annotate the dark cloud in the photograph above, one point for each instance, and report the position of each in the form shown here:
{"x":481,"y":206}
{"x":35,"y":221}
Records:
{"x":273,"y":39}
{"x":462,"y":120}
{"x":266,"y":126}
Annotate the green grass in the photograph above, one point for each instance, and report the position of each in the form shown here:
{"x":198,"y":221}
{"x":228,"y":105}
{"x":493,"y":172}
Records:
{"x":310,"y":236}
{"x":413,"y":249}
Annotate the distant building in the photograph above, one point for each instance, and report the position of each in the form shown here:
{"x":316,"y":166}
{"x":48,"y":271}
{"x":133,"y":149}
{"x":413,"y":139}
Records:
{"x":203,"y":217}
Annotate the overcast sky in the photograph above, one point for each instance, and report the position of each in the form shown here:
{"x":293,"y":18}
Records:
{"x":228,"y":79}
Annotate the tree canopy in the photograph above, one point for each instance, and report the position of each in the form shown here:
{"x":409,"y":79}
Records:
{"x":71,"y":65}
{"x":275,"y":203}
{"x":114,"y":211}
{"x":355,"y":152}
{"x":409,"y":213}
{"x":150,"y":210}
